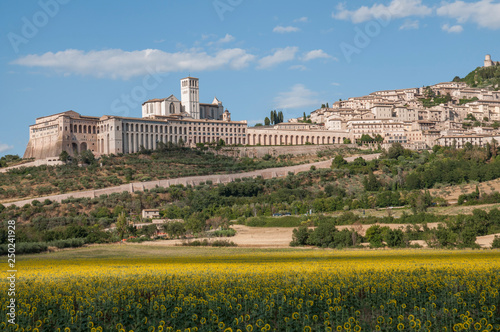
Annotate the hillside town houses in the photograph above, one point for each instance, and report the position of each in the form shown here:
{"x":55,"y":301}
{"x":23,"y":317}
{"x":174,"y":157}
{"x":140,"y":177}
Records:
{"x":400,"y":116}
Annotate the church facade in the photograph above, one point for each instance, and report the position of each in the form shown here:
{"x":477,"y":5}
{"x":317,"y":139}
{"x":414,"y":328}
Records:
{"x":189,"y":105}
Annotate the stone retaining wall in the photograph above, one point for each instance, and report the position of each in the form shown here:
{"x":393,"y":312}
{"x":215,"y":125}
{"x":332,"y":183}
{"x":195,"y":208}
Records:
{"x":192,"y":180}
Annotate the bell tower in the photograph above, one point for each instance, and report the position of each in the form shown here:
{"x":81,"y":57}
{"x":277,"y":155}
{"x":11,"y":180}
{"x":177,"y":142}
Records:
{"x":190,"y":96}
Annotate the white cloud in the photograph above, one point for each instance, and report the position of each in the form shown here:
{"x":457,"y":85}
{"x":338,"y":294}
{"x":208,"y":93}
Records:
{"x":452,"y":29}
{"x":396,"y":9}
{"x":298,"y":67}
{"x":282,"y":29}
{"x":484,"y":13}
{"x":116,"y":63}
{"x":279,"y":56}
{"x":227,"y":39}
{"x":298,"y":97}
{"x":316,"y":54}
{"x":409,"y":25}
{"x":4,"y":147}
{"x":301,"y":20}
{"x":335,"y":84}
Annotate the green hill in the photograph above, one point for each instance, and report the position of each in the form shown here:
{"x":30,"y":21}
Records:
{"x":483,"y":77}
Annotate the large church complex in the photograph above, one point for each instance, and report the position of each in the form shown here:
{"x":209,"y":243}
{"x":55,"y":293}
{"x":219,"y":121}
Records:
{"x":163,"y":120}
{"x":394,"y":115}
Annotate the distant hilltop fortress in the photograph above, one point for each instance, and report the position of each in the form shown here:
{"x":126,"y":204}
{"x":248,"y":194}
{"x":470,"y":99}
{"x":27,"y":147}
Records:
{"x":488,"y":62}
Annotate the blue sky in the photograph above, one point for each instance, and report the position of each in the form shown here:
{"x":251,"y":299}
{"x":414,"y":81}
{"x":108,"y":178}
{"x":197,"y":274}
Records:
{"x":107,"y":57}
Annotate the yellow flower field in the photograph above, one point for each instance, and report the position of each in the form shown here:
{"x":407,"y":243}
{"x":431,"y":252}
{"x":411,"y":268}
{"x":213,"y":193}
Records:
{"x":308,"y":290}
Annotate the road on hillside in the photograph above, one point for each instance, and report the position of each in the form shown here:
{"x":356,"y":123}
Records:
{"x":191,"y":180}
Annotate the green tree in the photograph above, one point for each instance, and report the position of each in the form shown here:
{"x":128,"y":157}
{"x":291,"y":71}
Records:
{"x":395,"y":151}
{"x":121,"y":224}
{"x":87,"y":157}
{"x":63,"y":156}
{"x":374,"y":236}
{"x":365,"y":138}
{"x":174,"y":229}
{"x":196,"y":223}
{"x":300,"y":236}
{"x":371,"y":183}
{"x":338,"y":161}
{"x":267,"y":122}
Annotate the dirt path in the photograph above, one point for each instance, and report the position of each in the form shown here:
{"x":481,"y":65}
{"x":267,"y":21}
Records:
{"x":192,"y":180}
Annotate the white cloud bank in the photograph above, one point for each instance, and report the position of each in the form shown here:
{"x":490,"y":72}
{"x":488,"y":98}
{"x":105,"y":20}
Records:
{"x":280,"y":55}
{"x":120,"y":64}
{"x":282,"y":29}
{"x":410,"y":25}
{"x":303,"y":19}
{"x":452,"y":29}
{"x":317,"y":54}
{"x":298,"y":97}
{"x":396,"y":9}
{"x":484,"y":13}
{"x":4,"y":147}
{"x":227,"y":39}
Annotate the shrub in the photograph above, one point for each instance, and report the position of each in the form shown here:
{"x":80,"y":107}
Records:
{"x":496,"y":242}
{"x":224,"y":233}
{"x":223,"y":243}
{"x":25,"y":248}
{"x":300,"y":236}
{"x":69,"y":243}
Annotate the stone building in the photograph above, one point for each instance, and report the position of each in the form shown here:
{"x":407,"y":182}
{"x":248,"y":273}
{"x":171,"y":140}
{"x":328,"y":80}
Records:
{"x":488,"y":62}
{"x":189,"y":105}
{"x":164,"y":120}
{"x":68,"y":131}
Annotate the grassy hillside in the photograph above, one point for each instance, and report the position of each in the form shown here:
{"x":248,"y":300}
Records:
{"x":484,"y":77}
{"x":169,"y":162}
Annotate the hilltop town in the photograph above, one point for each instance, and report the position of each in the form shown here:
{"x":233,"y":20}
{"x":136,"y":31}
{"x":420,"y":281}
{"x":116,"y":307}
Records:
{"x":447,"y":114}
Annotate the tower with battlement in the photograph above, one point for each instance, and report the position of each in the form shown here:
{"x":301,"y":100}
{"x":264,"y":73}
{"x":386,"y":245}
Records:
{"x":488,"y":62}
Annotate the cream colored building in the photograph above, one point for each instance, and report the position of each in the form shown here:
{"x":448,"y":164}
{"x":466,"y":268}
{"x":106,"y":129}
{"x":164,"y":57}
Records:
{"x":189,"y":105}
{"x":164,"y":120}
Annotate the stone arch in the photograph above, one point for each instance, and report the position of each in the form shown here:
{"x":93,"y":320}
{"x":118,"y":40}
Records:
{"x":83,"y":147}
